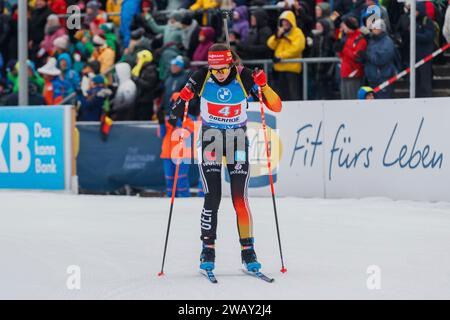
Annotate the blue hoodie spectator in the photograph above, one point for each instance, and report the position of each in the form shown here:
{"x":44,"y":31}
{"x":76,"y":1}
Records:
{"x":69,"y":77}
{"x":129,"y":9}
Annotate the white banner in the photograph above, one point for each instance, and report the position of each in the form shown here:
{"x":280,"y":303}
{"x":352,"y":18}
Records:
{"x":352,"y":149}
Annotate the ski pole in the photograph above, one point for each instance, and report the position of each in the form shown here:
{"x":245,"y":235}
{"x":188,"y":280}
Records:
{"x":263,"y":120}
{"x":225,"y":14}
{"x":174,"y":187}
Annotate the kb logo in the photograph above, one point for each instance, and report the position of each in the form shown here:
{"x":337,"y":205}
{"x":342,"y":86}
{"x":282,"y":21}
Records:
{"x":19,"y":153}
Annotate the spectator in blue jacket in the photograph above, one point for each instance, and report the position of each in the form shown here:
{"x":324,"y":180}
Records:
{"x":379,"y":59}
{"x":69,"y":77}
{"x":175,"y":81}
{"x":128,"y":10}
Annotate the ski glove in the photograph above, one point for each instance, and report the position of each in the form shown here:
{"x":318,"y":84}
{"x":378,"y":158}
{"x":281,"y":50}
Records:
{"x":259,"y":77}
{"x":186,"y":93}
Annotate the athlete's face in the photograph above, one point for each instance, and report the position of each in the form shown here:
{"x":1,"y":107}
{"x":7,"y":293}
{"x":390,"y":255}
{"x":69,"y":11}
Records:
{"x":220,"y":72}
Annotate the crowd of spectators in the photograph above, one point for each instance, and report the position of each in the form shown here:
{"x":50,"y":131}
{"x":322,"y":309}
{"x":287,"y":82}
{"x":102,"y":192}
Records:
{"x":126,"y":58}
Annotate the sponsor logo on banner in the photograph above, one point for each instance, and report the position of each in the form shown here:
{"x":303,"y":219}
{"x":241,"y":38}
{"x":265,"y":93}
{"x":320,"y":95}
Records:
{"x":257,"y":156}
{"x":31,"y":148}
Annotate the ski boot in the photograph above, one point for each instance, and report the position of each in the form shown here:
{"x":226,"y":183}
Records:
{"x":248,"y":256}
{"x":207,"y":257}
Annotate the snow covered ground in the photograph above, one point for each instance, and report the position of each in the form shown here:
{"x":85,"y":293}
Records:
{"x":117,"y":242}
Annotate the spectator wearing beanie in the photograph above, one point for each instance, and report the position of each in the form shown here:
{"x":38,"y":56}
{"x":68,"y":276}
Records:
{"x":36,"y":26}
{"x":94,"y":17}
{"x":53,"y":30}
{"x":260,"y":32}
{"x":175,"y":81}
{"x":365,"y":93}
{"x":349,"y":49}
{"x":145,"y":76}
{"x":206,"y":40}
{"x":61,"y":44}
{"x":378,"y":59}
{"x":189,"y":34}
{"x":103,"y":54}
{"x":287,"y":43}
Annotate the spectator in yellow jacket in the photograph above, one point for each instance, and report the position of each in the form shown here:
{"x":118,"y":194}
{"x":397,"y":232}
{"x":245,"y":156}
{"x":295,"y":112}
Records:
{"x":287,"y":43}
{"x":113,"y":6}
{"x":103,"y":54}
{"x":204,"y":5}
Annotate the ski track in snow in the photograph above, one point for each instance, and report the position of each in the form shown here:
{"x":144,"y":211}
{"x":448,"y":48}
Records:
{"x":118,"y":244}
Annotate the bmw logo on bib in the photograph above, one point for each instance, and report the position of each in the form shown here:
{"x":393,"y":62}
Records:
{"x":224,"y":94}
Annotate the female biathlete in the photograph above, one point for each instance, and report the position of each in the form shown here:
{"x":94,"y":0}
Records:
{"x":224,"y":86}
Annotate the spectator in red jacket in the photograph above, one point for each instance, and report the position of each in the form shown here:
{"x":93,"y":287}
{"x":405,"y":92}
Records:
{"x":58,"y":7}
{"x":350,"y":48}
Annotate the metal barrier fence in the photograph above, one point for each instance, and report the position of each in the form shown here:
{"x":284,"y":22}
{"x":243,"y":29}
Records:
{"x":267,"y":62}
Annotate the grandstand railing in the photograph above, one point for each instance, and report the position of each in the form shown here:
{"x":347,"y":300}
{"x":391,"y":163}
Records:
{"x":267,"y":62}
{"x":264,"y":62}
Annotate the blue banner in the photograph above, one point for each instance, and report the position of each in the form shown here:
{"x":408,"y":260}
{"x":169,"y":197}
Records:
{"x":130,"y":156}
{"x":32,"y":148}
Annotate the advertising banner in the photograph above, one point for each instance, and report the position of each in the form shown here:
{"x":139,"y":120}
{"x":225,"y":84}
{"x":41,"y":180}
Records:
{"x":32,"y":147}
